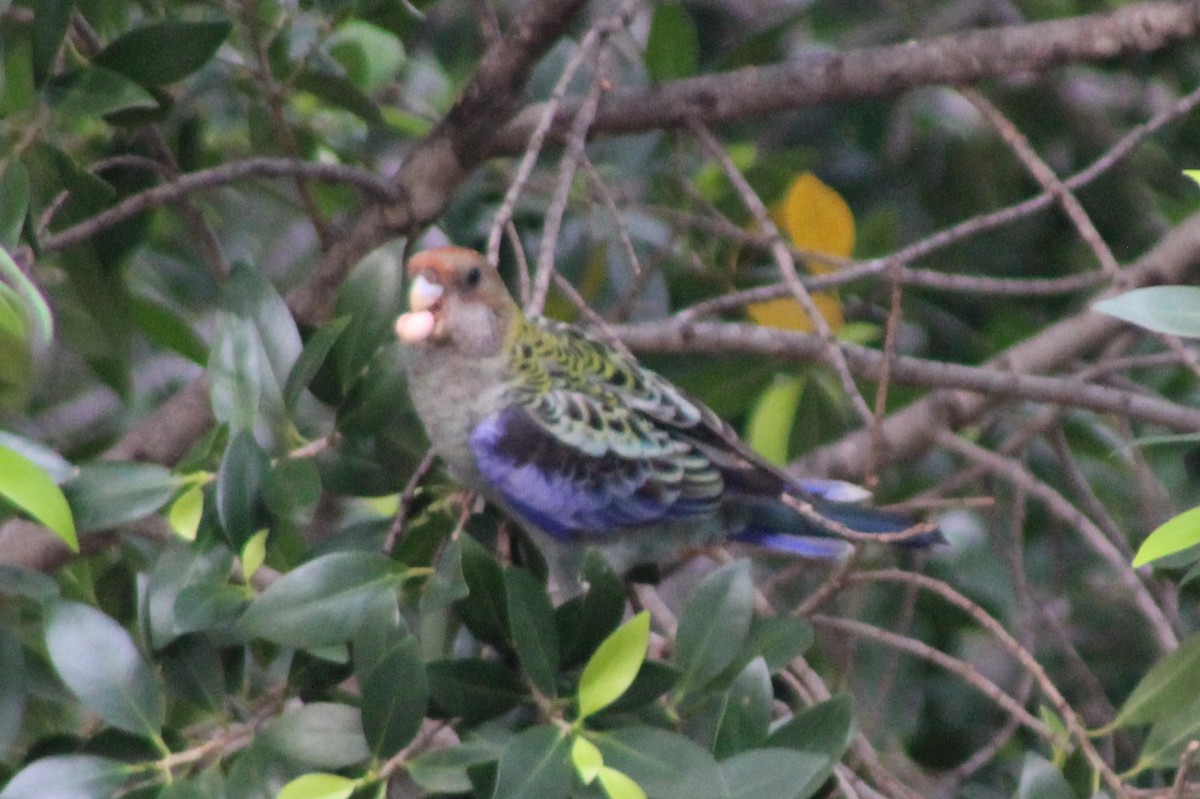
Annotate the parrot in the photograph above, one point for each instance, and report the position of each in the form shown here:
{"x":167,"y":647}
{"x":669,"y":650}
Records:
{"x":579,"y":444}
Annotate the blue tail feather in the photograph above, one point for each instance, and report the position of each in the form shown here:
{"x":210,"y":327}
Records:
{"x":773,"y":525}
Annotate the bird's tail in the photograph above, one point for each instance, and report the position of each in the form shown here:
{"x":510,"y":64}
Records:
{"x":774,"y":525}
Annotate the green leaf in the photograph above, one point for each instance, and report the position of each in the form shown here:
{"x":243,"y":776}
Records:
{"x":586,"y":758}
{"x":340,"y":93}
{"x":1163,"y":309}
{"x":618,"y":784}
{"x":474,"y":689}
{"x":254,"y":552}
{"x":19,"y":581}
{"x":99,"y":662}
{"x":665,"y":764}
{"x":583,"y":622}
{"x":165,"y":327}
{"x":370,"y":55}
{"x":95,"y":91}
{"x":14,"y":203}
{"x":319,"y":735}
{"x":769,"y":429}
{"x":107,"y":494}
{"x":672,"y":46}
{"x":1168,"y":736}
{"x":826,"y":729}
{"x":485,"y":609}
{"x":535,"y":763}
{"x":322,"y":602}
{"x":1041,"y":780}
{"x":293,"y":489}
{"x":178,"y":567}
{"x":28,"y":487}
{"x":772,"y":774}
{"x":391,"y":676}
{"x":1175,"y":535}
{"x":185,"y":513}
{"x":612,"y":669}
{"x":380,"y":396}
{"x":68,"y":777}
{"x":778,"y":640}
{"x":445,"y":770}
{"x":31,"y":302}
{"x":745,"y":712}
{"x":372,"y":296}
{"x":311,"y":358}
{"x":236,"y":369}
{"x":240,"y":479}
{"x":165,"y":51}
{"x":446,"y":587}
{"x":1165,"y":689}
{"x":16,"y":357}
{"x":14,"y":687}
{"x":49,"y":27}
{"x":531,"y":616}
{"x":255,"y":349}
{"x":319,"y":786}
{"x":192,"y":669}
{"x":653,"y":680}
{"x":714,"y":624}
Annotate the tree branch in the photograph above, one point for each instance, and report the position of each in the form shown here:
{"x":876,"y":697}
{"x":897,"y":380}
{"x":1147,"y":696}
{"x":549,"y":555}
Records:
{"x":437,"y":166}
{"x":963,"y":58}
{"x":996,"y":382}
{"x":908,"y":432}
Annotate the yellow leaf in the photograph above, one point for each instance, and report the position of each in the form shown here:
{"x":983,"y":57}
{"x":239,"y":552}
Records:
{"x":786,"y":314}
{"x":815,"y":217}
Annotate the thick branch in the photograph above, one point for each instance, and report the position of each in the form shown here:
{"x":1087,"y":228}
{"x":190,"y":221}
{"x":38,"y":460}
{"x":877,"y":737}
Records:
{"x":996,"y":382}
{"x":963,"y":58}
{"x":437,"y":166}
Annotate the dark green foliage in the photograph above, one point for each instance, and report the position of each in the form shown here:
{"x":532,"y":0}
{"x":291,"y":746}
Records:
{"x":200,"y":393}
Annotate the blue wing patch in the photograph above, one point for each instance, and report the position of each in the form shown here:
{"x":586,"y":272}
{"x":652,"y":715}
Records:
{"x":568,"y":492}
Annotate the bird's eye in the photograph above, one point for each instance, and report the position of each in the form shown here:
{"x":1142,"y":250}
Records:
{"x":473,"y":277}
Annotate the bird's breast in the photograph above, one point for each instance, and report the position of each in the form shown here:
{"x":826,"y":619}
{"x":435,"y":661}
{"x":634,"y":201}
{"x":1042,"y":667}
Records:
{"x":452,"y":394}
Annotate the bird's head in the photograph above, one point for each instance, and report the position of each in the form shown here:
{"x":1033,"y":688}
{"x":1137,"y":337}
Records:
{"x":456,"y":298}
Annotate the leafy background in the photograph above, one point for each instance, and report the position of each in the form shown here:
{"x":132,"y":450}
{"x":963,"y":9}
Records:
{"x":229,"y":569}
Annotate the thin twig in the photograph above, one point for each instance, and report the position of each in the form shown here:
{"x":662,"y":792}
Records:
{"x":404,"y":507}
{"x":1164,"y":633}
{"x":1049,"y":181}
{"x":968,"y":673}
{"x":786,"y":264}
{"x":567,"y":167}
{"x":1064,"y":710}
{"x":210,"y":178}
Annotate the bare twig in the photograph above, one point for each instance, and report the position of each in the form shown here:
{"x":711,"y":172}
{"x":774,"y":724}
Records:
{"x":787,"y":266}
{"x":191,"y":182}
{"x":965,"y":671}
{"x":1164,"y":633}
{"x":1049,"y":181}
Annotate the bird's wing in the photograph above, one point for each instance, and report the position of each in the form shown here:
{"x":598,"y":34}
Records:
{"x":580,"y":462}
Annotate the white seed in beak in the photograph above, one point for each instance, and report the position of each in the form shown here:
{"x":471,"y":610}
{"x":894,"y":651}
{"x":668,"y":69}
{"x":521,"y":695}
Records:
{"x":423,"y":295}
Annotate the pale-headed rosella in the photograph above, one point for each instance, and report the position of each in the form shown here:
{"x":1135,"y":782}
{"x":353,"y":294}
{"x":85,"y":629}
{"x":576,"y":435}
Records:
{"x":576,"y":441}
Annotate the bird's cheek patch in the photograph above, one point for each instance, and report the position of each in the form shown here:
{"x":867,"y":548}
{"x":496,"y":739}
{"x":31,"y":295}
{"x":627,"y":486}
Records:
{"x":415,"y":326}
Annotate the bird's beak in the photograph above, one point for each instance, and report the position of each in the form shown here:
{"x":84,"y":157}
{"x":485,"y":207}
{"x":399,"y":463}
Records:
{"x":423,"y":294}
